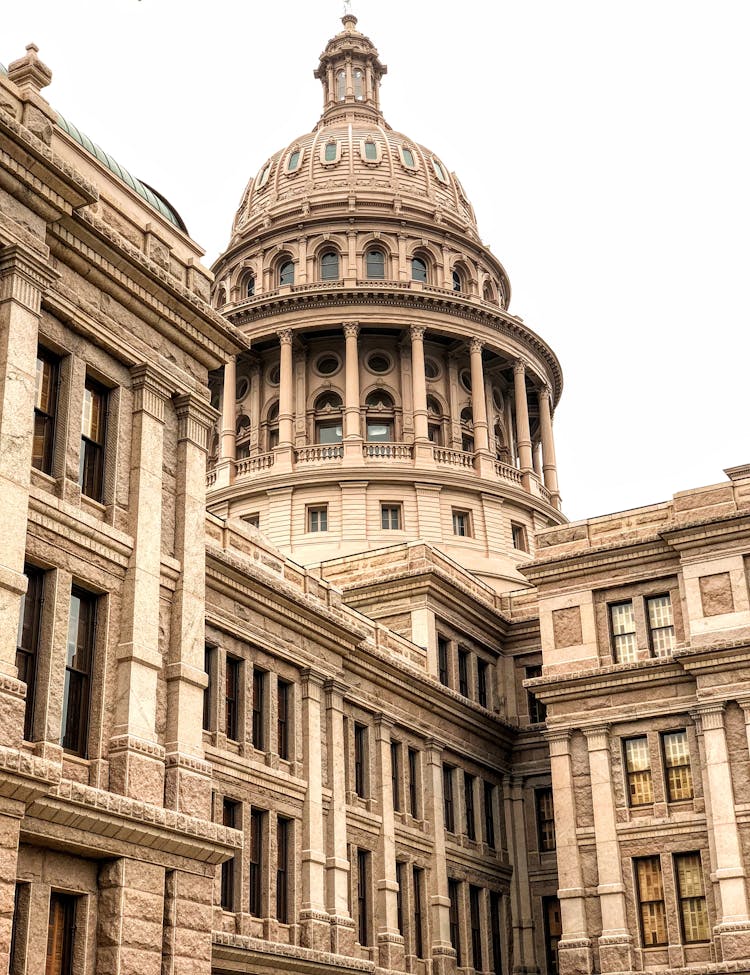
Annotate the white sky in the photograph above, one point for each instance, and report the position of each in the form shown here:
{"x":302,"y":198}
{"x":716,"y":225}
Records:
{"x":603,"y":143}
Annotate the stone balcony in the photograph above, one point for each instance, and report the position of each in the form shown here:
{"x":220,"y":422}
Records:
{"x":387,"y":456}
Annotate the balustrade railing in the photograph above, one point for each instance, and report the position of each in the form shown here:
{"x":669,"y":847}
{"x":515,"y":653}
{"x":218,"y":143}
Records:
{"x":251,"y":465}
{"x":508,"y":473}
{"x":388,"y":451}
{"x":318,"y":452}
{"x":453,"y":458}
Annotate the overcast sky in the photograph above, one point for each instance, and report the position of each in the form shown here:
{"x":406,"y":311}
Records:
{"x":603,"y":143}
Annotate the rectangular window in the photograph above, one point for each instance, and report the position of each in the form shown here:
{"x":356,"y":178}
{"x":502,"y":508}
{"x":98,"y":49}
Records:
{"x":253,"y":520}
{"x":255,"y":876}
{"x":396,"y":774}
{"x":497,"y":952}
{"x":27,"y":642}
{"x":448,"y":809}
{"x":476,"y":927}
{"x":455,"y":930}
{"x":390,"y":517}
{"x":413,"y":777}
{"x":259,"y":709}
{"x":677,"y":763}
{"x":45,"y":405}
{"x":520,"y":539}
{"x":461,"y":523}
{"x":208,"y":666}
{"x":442,"y":660}
{"x":545,"y":818}
{"x":537,"y":709}
{"x":363,"y":887}
{"x":417,"y":879}
{"x":692,"y":897}
{"x":78,"y":669}
{"x":471,"y":827}
{"x":283,"y":693}
{"x":638,"y":771}
{"x":651,"y":901}
{"x":230,"y":817}
{"x":283,"y":829}
{"x":401,"y":881}
{"x":552,"y":933}
{"x":463,"y":672}
{"x":93,"y":434}
{"x":360,"y":760}
{"x":60,"y":934}
{"x":317,"y":518}
{"x":622,"y":626}
{"x":660,"y":625}
{"x":482,"y":697}
{"x":232,"y":697}
{"x":489,"y":814}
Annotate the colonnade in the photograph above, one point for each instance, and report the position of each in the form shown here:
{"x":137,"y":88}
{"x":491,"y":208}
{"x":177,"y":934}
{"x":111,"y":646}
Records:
{"x":530,"y":466}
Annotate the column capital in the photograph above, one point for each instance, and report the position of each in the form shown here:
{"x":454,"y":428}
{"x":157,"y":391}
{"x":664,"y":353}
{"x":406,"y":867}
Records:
{"x":558,"y":740}
{"x":150,"y":392}
{"x":312,"y":682}
{"x":597,"y":737}
{"x":335,"y":690}
{"x":545,"y":392}
{"x":383,"y":725}
{"x":433,"y":750}
{"x":709,"y":716}
{"x":520,"y":365}
{"x":351,"y":329}
{"x":24,"y":277}
{"x":417,"y":332}
{"x":285,"y":336}
{"x":476,"y":345}
{"x":195,"y":418}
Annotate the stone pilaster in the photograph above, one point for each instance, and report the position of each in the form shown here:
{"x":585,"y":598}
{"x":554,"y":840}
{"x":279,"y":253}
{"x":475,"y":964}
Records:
{"x":286,"y":398}
{"x":352,"y":425}
{"x":188,"y":782}
{"x":337,"y":862}
{"x":187,"y":923}
{"x":478,"y":400}
{"x":228,"y":438}
{"x":524,"y":954}
{"x":23,"y":280}
{"x":733,"y":929}
{"x":419,"y":387}
{"x":615,"y":942}
{"x":574,"y":950}
{"x":390,"y":941}
{"x":313,"y":918}
{"x":136,"y":760}
{"x":131,"y":914}
{"x":443,"y":953}
{"x":523,"y":432}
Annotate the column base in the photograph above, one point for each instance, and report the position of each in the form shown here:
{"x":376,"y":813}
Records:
{"x":391,"y":951}
{"x":576,"y":957}
{"x":12,"y":710}
{"x":187,"y":785}
{"x":315,"y":930}
{"x":616,"y":953}
{"x":485,"y":465}
{"x":136,"y":769}
{"x":224,"y":473}
{"x":424,"y":453}
{"x":443,"y":960}
{"x":733,"y":940}
{"x":343,"y":935}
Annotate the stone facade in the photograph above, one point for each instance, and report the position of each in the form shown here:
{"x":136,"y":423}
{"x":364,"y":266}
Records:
{"x":342,"y":720}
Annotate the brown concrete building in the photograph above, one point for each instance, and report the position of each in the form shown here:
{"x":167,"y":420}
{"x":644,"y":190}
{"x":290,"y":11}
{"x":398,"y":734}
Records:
{"x":301,"y":667}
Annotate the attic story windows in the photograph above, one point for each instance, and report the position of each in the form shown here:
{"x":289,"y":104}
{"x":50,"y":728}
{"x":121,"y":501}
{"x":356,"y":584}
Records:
{"x":294,"y":161}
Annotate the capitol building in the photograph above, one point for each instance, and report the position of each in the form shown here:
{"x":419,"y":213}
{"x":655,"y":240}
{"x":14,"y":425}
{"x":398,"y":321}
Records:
{"x":302,"y":667}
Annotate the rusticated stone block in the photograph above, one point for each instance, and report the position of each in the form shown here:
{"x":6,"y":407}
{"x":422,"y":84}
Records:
{"x":566,"y":625}
{"x":716,"y":594}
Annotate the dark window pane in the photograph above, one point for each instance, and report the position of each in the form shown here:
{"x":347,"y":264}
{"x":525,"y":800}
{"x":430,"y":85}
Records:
{"x":79,"y":660}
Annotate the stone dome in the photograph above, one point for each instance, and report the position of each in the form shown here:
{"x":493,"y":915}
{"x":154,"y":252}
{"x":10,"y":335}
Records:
{"x":353,"y":153}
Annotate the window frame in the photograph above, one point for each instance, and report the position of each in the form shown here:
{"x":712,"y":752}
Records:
{"x":284,"y":692}
{"x":412,"y":757}
{"x":92,"y":461}
{"x":661,"y":629}
{"x":544,"y":804}
{"x":387,"y":509}
{"x":632,"y":774}
{"x":470,"y":816}
{"x":260,"y":709}
{"x":360,"y":760}
{"x":617,"y":638}
{"x":325,"y":274}
{"x":46,"y":417}
{"x":461,"y":519}
{"x":256,"y":862}
{"x":363,"y":896}
{"x":519,"y":537}
{"x":31,"y":630}
{"x":488,"y":792}
{"x":669,"y":767}
{"x":317,"y":519}
{"x":286,"y":272}
{"x":228,"y":891}
{"x":449,"y":808}
{"x":86,"y":675}
{"x":537,"y":709}
{"x":284,"y":827}
{"x":682,"y":897}
{"x":641,"y":901}
{"x":369,"y":276}
{"x":232,"y":696}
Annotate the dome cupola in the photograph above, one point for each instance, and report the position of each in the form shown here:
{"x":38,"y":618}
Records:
{"x":350,"y":71}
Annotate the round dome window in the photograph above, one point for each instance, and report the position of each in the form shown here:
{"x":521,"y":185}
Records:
{"x":274,"y":375}
{"x":327,"y":364}
{"x":378,"y":362}
{"x":431,"y":369}
{"x":243,"y":388}
{"x":464,"y":378}
{"x":497,"y":399}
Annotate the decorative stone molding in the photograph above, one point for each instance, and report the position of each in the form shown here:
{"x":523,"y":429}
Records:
{"x":150,"y":392}
{"x":351,"y":329}
{"x":188,"y":763}
{"x":130,"y":743}
{"x":282,"y":952}
{"x":558,"y":741}
{"x":417,"y":332}
{"x":24,"y":277}
{"x":195,"y":419}
{"x":597,"y":738}
{"x":286,"y":336}
{"x":709,"y":716}
{"x":476,"y":345}
{"x":520,"y":366}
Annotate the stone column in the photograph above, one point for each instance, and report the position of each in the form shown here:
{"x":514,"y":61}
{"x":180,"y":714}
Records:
{"x":255,"y":407}
{"x":455,"y":418}
{"x":422,"y":446}
{"x":536,"y":458}
{"x":23,"y":280}
{"x":187,"y":923}
{"x":524,"y":954}
{"x":314,"y":920}
{"x":188,"y":782}
{"x":131,"y":914}
{"x":351,"y":270}
{"x":136,"y":760}
{"x":443,"y":953}
{"x":523,"y":433}
{"x":302,"y":260}
{"x":733,"y":929}
{"x":228,"y":437}
{"x":390,"y":941}
{"x":337,"y":862}
{"x":574,"y":949}
{"x":615,"y":942}
{"x":403,"y":271}
{"x":549,"y":464}
{"x":486,"y":464}
{"x":286,"y":400}
{"x":352,"y":425}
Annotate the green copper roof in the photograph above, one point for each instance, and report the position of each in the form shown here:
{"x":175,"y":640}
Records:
{"x":150,"y":195}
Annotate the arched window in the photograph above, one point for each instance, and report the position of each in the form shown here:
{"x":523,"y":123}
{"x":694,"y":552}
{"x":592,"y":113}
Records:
{"x":328,"y":418}
{"x":488,"y":292}
{"x":501,"y":448}
{"x":329,"y":266}
{"x":375,"y":264}
{"x":272,"y":426}
{"x":458,"y":282}
{"x":380,"y":417}
{"x":263,"y":177}
{"x":341,"y":85}
{"x":221,"y":298}
{"x":250,"y":286}
{"x":294,"y":160}
{"x":358,"y":76}
{"x":434,"y":421}
{"x":286,"y":272}
{"x":467,"y":429}
{"x":242,"y":430}
{"x":418,"y":269}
